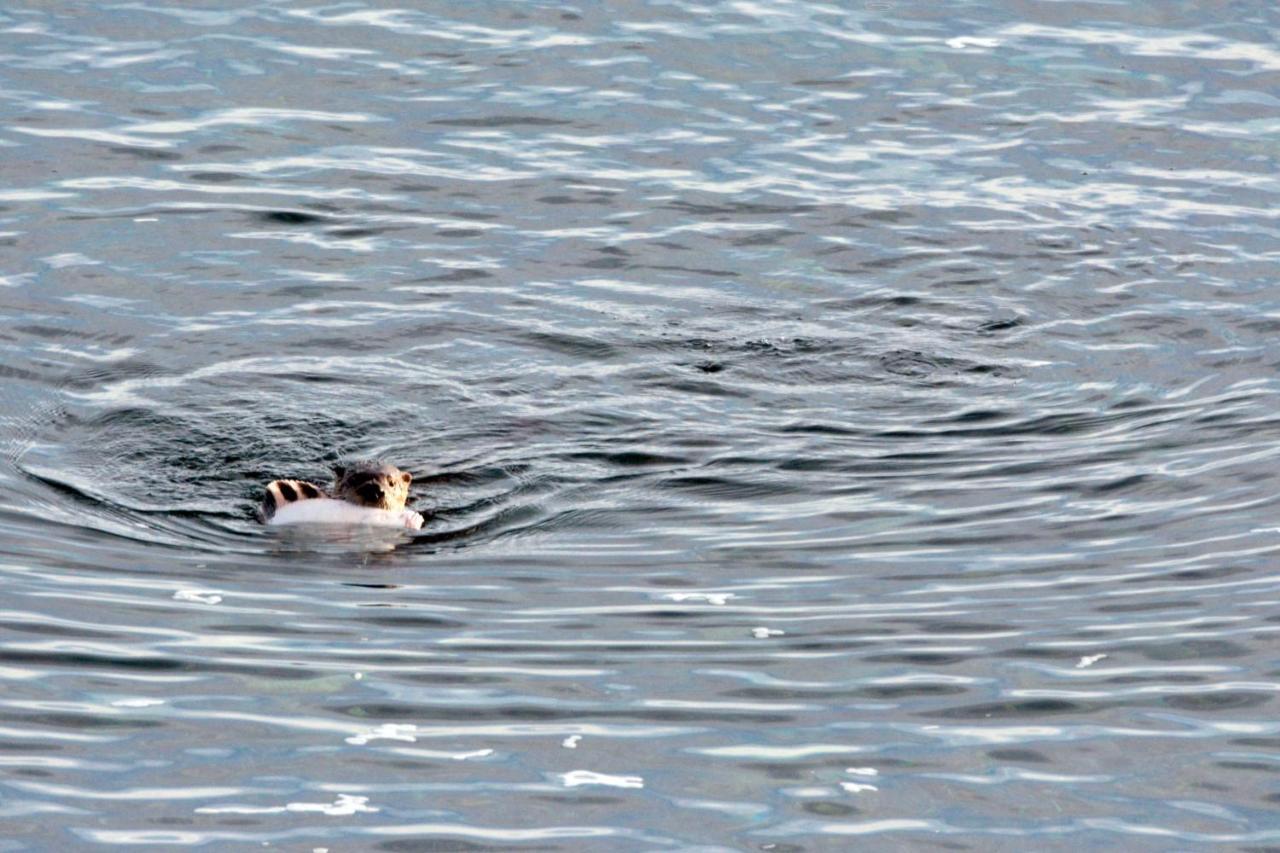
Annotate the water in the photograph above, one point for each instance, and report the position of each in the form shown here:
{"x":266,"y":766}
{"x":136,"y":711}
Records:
{"x":839,"y":425}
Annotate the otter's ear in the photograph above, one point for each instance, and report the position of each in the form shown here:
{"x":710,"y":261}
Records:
{"x":407,"y":477}
{"x":339,"y":471}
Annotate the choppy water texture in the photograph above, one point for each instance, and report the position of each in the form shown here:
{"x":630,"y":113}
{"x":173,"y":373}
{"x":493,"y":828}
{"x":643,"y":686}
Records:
{"x":840,"y":425}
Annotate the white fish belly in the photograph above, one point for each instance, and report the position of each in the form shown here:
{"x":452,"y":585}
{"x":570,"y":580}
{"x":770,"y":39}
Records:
{"x":330,"y":511}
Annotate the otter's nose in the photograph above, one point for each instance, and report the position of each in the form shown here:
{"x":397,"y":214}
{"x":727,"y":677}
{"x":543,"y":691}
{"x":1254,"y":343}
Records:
{"x":371,"y":492}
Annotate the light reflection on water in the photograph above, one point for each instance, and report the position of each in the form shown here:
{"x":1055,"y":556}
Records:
{"x":836,"y":425}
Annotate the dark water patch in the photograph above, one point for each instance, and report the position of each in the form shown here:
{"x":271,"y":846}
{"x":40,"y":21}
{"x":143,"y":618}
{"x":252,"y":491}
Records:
{"x":956,"y":627}
{"x":1192,"y":649}
{"x":531,"y":713}
{"x":699,"y":388}
{"x":217,"y":177}
{"x":275,"y":630}
{"x":502,"y":121}
{"x":1217,"y":573}
{"x":1039,"y":654}
{"x":1022,"y":756}
{"x":359,"y":233}
{"x":290,"y":217}
{"x":8,"y":747}
{"x":918,"y":365}
{"x":447,"y":845}
{"x":1003,"y":710}
{"x":842,"y":83}
{"x":77,"y":722}
{"x":977,"y":417}
{"x":606,"y":263}
{"x":1258,"y":766}
{"x":411,"y":622}
{"x":54,"y":630}
{"x":1261,"y":742}
{"x":1164,"y":679}
{"x":724,"y":488}
{"x":573,"y":345}
{"x":694,"y":270}
{"x":123,"y":369}
{"x":149,"y":665}
{"x":19,"y":373}
{"x":765,"y":238}
{"x":770,"y":438}
{"x":631,"y":458}
{"x":739,"y":208}
{"x":1219,"y":701}
{"x":457,"y":276}
{"x":569,"y":199}
{"x":881,"y":692}
{"x":991,"y":327}
{"x":445,"y":678}
{"x":918,"y":659}
{"x":70,"y":659}
{"x":154,"y":154}
{"x":817,"y":429}
{"x":48,"y":332}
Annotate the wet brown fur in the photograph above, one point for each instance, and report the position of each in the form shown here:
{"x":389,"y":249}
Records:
{"x":373,"y":484}
{"x":366,"y":483}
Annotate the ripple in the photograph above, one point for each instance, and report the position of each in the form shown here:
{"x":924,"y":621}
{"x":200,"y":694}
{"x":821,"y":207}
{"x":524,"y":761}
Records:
{"x":806,"y":454}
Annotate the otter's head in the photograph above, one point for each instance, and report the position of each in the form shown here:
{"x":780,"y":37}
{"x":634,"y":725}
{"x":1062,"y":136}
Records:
{"x":373,"y":484}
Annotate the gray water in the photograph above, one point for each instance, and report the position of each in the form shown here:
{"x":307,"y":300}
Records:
{"x":839,"y":425}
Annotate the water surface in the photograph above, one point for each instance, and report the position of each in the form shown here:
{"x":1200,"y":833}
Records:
{"x":838,"y":425}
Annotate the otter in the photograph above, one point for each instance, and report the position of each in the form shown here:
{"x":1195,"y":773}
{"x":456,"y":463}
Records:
{"x":365,"y":492}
